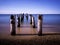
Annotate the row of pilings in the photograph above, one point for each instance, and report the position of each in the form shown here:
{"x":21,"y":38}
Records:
{"x":20,"y":19}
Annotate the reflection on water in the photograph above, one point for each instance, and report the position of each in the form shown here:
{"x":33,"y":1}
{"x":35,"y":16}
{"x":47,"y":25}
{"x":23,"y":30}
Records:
{"x":51,"y":23}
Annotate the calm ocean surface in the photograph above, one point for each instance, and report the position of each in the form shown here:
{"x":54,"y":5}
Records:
{"x":51,"y":22}
{"x":53,"y":19}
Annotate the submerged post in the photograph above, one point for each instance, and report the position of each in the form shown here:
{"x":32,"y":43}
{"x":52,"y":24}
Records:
{"x":27,"y":17}
{"x":40,"y":25}
{"x":12,"y":25}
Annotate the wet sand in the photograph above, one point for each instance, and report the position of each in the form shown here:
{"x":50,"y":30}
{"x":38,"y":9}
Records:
{"x":27,"y":29}
{"x":48,"y":38}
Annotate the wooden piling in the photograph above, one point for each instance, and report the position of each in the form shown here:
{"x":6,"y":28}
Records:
{"x":13,"y":30}
{"x":18,"y":21}
{"x":30,"y":19}
{"x":34,"y":26}
{"x":40,"y":25}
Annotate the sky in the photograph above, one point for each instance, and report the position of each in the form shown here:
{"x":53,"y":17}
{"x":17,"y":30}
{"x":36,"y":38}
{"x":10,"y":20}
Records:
{"x":30,"y":6}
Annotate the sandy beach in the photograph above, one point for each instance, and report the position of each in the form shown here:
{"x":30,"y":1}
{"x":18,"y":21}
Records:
{"x":26,"y":35}
{"x":30,"y":39}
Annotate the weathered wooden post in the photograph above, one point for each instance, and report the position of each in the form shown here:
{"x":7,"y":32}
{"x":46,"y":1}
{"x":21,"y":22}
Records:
{"x":11,"y":19}
{"x":13,"y":26}
{"x":18,"y":21}
{"x":30,"y":19}
{"x":22,"y":18}
{"x":40,"y":25}
{"x":33,"y":22}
